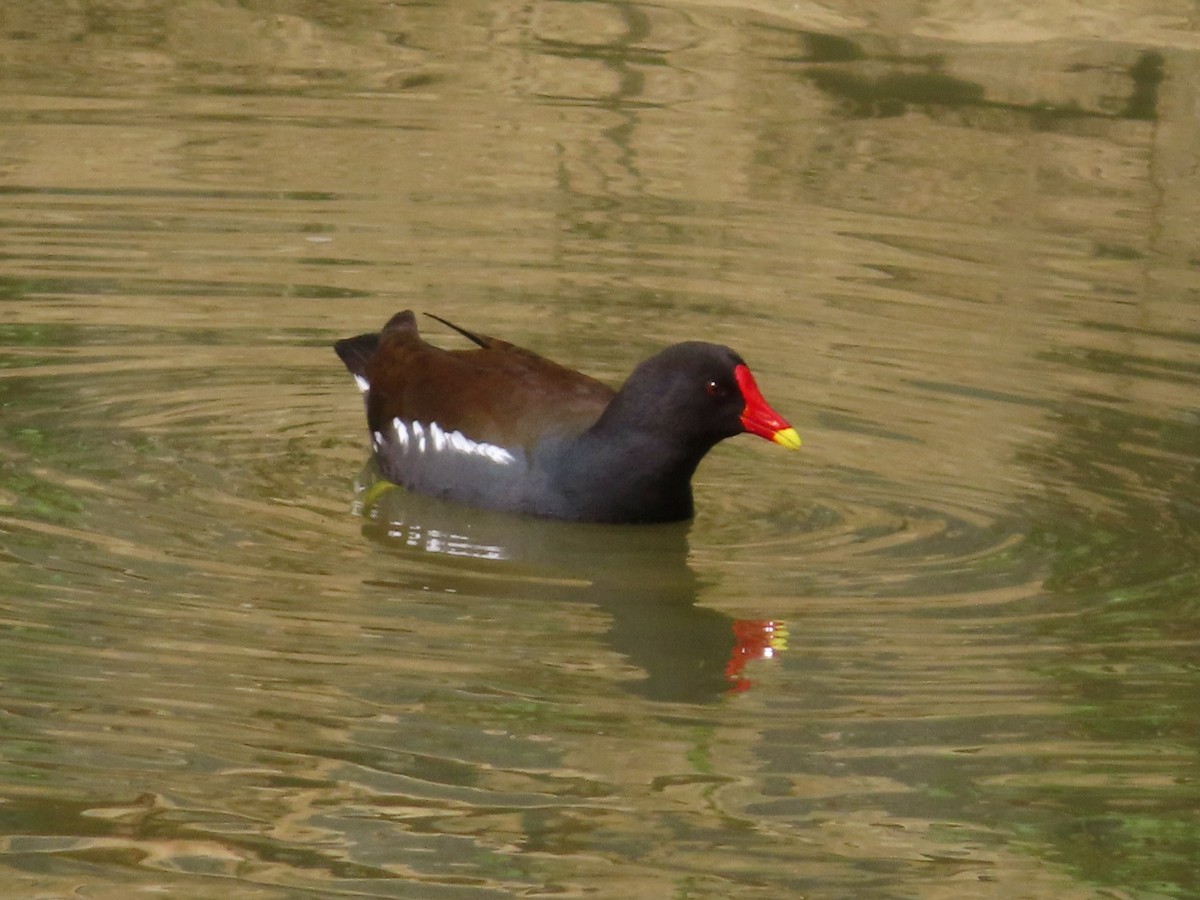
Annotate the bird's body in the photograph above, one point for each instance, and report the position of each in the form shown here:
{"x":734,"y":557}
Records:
{"x":501,"y":427}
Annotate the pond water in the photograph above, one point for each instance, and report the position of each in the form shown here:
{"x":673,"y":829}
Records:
{"x":949,"y":649}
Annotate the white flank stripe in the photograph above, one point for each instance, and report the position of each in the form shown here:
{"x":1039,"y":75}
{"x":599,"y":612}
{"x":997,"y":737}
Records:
{"x":401,"y":432}
{"x":497,"y":454}
{"x":440,"y":441}
{"x":438,"y":436}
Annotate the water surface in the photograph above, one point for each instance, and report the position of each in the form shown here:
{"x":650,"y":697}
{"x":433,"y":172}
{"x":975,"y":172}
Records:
{"x":948,"y":649}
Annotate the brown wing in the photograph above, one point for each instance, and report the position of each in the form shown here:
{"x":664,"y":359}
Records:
{"x":498,"y":392}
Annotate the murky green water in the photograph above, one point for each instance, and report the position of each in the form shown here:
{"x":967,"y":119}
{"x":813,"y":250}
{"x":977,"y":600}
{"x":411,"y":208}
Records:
{"x":948,"y":650}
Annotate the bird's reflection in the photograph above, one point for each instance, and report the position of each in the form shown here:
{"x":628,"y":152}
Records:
{"x":638,"y":575}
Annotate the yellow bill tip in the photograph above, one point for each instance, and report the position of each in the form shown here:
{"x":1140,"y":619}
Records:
{"x":787,"y":437}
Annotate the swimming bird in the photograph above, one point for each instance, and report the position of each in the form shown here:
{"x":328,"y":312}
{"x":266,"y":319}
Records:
{"x":500,"y":427}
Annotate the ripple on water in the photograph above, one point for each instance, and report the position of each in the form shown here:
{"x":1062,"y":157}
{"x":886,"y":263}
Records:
{"x":855,"y":534}
{"x":211,"y":668}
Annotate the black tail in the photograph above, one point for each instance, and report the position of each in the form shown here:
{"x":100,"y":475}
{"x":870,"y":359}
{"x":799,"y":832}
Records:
{"x":356,"y":352}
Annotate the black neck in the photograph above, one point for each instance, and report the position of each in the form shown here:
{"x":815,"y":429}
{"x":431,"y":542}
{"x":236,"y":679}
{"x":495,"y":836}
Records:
{"x":624,"y":475}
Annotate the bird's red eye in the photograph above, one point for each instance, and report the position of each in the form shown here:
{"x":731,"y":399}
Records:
{"x":716,"y":389}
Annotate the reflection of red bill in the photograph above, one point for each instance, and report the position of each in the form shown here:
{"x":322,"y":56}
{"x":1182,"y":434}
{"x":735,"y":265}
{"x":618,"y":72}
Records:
{"x":753,"y":639}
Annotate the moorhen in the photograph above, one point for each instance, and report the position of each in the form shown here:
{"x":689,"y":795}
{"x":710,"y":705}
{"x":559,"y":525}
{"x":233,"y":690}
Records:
{"x":500,"y":427}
